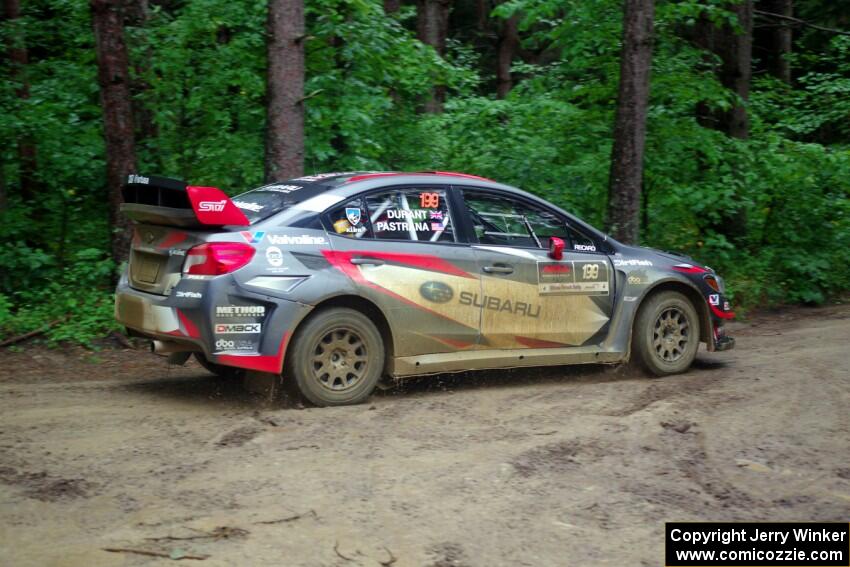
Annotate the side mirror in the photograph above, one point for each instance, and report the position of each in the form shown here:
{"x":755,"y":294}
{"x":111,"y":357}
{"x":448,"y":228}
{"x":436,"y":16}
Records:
{"x":556,"y":248}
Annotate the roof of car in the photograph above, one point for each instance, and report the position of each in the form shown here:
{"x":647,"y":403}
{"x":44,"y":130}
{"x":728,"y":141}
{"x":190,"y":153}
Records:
{"x":331,"y":180}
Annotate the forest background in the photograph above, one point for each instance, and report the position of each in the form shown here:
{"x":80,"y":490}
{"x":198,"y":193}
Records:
{"x":745,"y":121}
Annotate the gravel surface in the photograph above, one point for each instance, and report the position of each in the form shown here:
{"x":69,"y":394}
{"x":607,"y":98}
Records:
{"x":559,"y":466}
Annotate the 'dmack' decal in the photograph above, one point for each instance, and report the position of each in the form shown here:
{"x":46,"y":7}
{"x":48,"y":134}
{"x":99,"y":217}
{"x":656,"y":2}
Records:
{"x":574,"y":277}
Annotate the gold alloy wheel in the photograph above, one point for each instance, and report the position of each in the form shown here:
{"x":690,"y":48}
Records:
{"x":670,"y":334}
{"x":340,"y":360}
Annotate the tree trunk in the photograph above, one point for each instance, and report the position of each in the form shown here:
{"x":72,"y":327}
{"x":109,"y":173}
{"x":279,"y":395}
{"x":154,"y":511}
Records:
{"x":3,"y":199}
{"x":508,"y":44}
{"x":482,"y":14}
{"x":18,"y":61}
{"x":392,"y":6}
{"x":778,"y":39}
{"x":625,"y":180}
{"x":285,"y":90}
{"x":432,"y":27}
{"x":135,"y":12}
{"x":734,"y":49}
{"x":114,"y":79}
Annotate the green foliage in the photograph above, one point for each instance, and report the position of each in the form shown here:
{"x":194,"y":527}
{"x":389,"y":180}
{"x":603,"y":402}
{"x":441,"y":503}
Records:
{"x":769,"y":213}
{"x":75,"y":308}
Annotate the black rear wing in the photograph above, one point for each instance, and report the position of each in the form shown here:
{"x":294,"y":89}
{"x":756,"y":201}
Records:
{"x":171,"y":202}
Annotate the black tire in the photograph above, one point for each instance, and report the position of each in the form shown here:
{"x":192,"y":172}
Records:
{"x":336,"y":358}
{"x":665,"y":337}
{"x":226,"y":372}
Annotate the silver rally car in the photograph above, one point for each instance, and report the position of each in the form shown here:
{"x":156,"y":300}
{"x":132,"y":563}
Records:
{"x":337,"y":280}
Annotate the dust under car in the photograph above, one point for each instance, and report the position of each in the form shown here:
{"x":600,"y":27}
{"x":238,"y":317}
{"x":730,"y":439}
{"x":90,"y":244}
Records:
{"x":340,"y":279}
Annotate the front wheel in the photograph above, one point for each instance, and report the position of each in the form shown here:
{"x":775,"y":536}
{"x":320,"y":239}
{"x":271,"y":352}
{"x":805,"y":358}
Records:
{"x":665,"y":337}
{"x":336,"y":358}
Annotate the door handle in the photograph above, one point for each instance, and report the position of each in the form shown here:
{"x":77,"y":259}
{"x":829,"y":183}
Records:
{"x":367,"y":262}
{"x":499,"y":269}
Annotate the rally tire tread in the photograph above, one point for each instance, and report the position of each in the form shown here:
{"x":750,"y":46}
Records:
{"x":642,"y":337}
{"x":297,"y":369}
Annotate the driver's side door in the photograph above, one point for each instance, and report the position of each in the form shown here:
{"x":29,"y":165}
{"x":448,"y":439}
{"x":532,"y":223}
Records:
{"x":529,"y":300}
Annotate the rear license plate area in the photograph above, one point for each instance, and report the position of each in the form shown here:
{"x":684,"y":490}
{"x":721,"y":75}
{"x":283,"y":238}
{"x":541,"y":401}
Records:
{"x":147,"y":267}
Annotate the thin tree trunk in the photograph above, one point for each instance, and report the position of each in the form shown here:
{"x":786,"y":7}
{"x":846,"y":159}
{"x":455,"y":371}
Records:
{"x":734,"y":48}
{"x":624,"y":191}
{"x":136,"y":14}
{"x":114,"y":79}
{"x":779,"y":39}
{"x":508,"y":44}
{"x":3,"y":199}
{"x":482,"y":14}
{"x":392,"y":6}
{"x":285,"y":90}
{"x":19,"y":59}
{"x":432,"y":27}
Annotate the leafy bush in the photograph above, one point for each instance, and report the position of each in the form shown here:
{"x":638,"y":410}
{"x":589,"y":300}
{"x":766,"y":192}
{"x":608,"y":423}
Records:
{"x":77,"y":307}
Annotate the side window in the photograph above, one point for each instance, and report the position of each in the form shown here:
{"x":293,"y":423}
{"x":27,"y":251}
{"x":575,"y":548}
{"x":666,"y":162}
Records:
{"x":350,"y":220}
{"x":507,"y":222}
{"x":579,"y":242}
{"x":411,"y":214}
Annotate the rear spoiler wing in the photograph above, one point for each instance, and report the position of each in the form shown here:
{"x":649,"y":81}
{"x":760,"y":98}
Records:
{"x":171,"y":202}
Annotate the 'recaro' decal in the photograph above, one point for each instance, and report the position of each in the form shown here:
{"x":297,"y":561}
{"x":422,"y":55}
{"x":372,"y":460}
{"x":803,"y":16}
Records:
{"x":584,"y":247}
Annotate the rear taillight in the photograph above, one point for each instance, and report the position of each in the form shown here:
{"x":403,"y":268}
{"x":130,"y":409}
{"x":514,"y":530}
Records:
{"x":216,"y":258}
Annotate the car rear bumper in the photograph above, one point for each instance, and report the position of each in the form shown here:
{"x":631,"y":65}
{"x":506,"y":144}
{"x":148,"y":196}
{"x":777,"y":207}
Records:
{"x":227,"y":323}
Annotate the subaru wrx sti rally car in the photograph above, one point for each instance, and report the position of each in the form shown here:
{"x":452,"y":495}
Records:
{"x":337,"y":280}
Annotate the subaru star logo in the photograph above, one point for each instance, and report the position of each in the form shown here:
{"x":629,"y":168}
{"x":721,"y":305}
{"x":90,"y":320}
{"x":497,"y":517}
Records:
{"x":438,"y":292}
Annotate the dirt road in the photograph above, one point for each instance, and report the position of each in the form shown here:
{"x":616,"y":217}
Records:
{"x":577,"y":466}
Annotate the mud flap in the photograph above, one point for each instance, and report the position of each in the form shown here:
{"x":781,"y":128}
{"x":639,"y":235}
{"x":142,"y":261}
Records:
{"x":264,"y":384}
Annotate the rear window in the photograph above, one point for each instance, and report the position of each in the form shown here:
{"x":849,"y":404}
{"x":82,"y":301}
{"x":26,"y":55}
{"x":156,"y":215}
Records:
{"x":260,"y":204}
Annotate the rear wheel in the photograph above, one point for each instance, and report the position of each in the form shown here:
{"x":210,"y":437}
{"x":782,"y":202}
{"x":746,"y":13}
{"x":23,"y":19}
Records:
{"x":665,"y":337}
{"x":227,"y":372}
{"x":336,"y":358}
